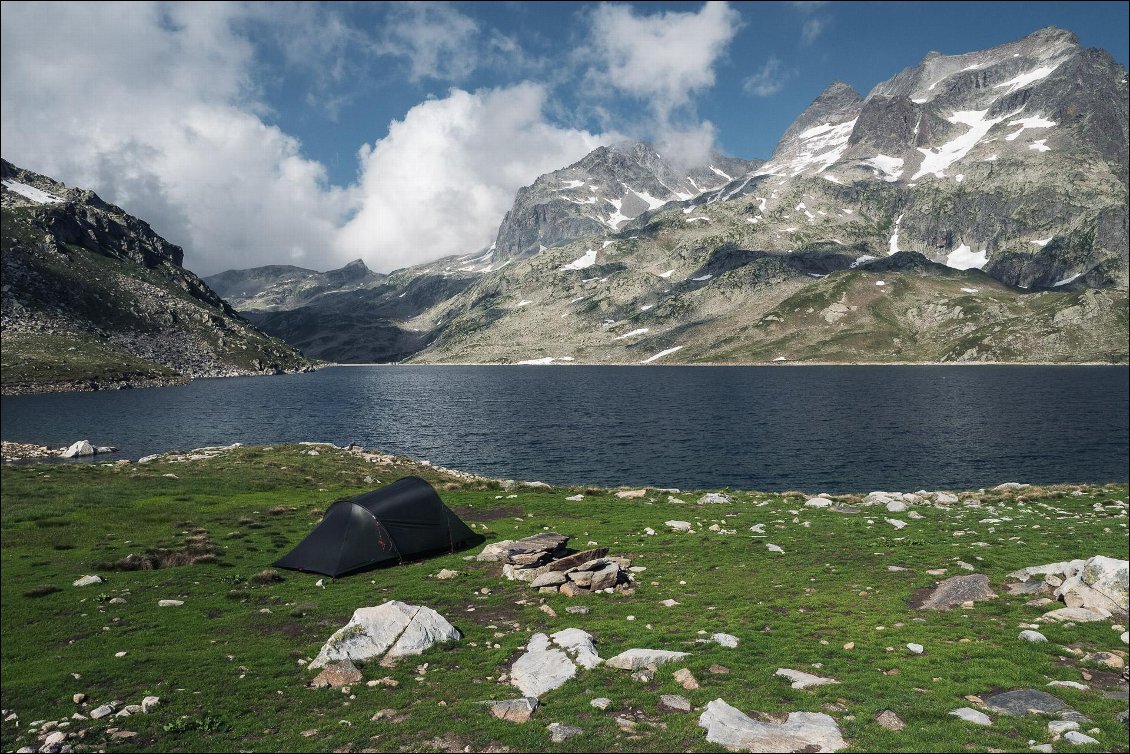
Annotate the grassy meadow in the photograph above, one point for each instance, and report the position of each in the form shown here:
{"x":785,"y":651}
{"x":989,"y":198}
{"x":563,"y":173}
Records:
{"x":226,"y":664}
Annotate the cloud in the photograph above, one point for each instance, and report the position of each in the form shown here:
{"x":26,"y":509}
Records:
{"x":445,"y":175}
{"x":154,"y":107}
{"x":437,"y":40}
{"x":812,"y":29}
{"x":769,"y":80}
{"x":663,"y":59}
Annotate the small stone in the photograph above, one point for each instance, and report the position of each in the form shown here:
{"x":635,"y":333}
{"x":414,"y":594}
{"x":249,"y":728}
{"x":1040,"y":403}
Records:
{"x":101,"y":711}
{"x":718,"y":669}
{"x":668,"y":603}
{"x":1076,"y":738}
{"x":548,"y":610}
{"x":674,"y":702}
{"x":973,"y":716}
{"x":446,"y":573}
{"x":337,"y":674}
{"x":79,"y":698}
{"x":120,"y":654}
{"x":726,"y":640}
{"x":601,"y":703}
{"x":559,"y":732}
{"x":685,"y":678}
{"x":577,"y":610}
{"x":169,"y":603}
{"x":513,"y":710}
{"x":916,"y":648}
{"x":1059,"y":727}
{"x":802,"y":680}
{"x":1033,"y":636}
{"x":849,"y":645}
{"x":149,"y":703}
{"x":87,"y":580}
{"x":889,"y":720}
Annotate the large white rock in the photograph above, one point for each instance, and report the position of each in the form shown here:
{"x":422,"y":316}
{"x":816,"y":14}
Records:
{"x":678,"y":525}
{"x":542,"y":668}
{"x":1110,"y":578}
{"x":802,"y":731}
{"x":972,"y":716}
{"x":388,"y":631}
{"x":580,"y":645}
{"x":78,"y":449}
{"x":635,"y":659}
{"x":87,"y":580}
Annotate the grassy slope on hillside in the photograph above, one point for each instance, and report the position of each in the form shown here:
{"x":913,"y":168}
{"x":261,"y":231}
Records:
{"x":225,"y":664}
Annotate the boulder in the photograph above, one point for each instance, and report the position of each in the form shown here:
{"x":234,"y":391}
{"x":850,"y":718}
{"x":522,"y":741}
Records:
{"x":169,"y":603}
{"x":802,"y":680}
{"x":601,"y":703}
{"x":631,"y":494}
{"x":387,"y":631}
{"x":149,"y":703}
{"x":1033,"y":636}
{"x":685,"y":678}
{"x":818,"y":502}
{"x":1110,"y":578}
{"x":1024,"y":701}
{"x":87,"y":580}
{"x":896,"y":506}
{"x":953,"y":591}
{"x":678,"y":525}
{"x":79,"y":449}
{"x":569,"y":589}
{"x":714,"y":498}
{"x":446,"y":573}
{"x":801,"y":731}
{"x":513,"y":710}
{"x":636,"y":659}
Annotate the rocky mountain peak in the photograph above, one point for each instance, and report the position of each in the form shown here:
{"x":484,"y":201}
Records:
{"x":602,"y":192}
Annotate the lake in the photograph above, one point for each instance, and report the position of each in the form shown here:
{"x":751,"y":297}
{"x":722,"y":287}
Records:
{"x":816,"y":428}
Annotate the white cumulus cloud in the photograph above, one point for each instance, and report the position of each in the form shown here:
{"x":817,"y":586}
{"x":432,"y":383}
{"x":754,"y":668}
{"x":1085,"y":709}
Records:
{"x":445,"y":175}
{"x":663,"y":59}
{"x":152,"y":106}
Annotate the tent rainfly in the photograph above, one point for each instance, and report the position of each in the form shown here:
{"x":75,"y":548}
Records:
{"x":401,"y":521}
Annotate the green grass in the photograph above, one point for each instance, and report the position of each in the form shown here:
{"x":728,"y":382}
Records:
{"x":37,"y":358}
{"x":227,"y":670}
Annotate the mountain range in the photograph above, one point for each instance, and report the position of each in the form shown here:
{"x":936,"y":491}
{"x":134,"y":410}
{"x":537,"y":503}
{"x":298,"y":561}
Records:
{"x":970,"y":208}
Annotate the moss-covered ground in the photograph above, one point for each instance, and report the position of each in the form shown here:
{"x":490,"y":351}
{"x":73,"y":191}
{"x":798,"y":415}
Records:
{"x":226,"y":664}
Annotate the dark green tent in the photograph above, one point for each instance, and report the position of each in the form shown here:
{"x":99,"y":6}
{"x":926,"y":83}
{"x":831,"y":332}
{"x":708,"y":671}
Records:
{"x":402,"y":521}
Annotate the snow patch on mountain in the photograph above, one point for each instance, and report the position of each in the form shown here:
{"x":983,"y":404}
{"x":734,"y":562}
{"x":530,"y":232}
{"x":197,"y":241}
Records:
{"x":964,"y":258}
{"x":31,"y":192}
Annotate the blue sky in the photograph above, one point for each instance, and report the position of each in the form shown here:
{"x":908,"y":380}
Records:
{"x":312,"y":134}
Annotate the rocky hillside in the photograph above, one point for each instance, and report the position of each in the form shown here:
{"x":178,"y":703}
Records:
{"x":971,"y":208}
{"x":93,"y":298}
{"x":278,"y":287}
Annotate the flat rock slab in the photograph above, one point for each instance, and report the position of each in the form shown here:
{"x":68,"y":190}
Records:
{"x":523,"y":551}
{"x":1075,"y":615}
{"x":513,"y":710}
{"x":545,"y":667}
{"x":575,"y":560}
{"x":726,"y":640}
{"x":802,"y":680}
{"x":675,"y":703}
{"x":953,"y":591}
{"x":636,"y":659}
{"x":802,"y":731}
{"x":1023,"y":702}
{"x":387,"y":631}
{"x":971,"y":715}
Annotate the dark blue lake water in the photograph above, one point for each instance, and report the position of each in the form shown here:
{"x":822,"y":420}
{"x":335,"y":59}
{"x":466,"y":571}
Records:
{"x":817,"y":429}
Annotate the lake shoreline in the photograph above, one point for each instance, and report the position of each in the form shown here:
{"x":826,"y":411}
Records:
{"x":90,"y":386}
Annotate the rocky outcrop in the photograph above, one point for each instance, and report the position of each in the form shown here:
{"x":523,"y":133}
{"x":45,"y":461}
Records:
{"x":1094,"y":587}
